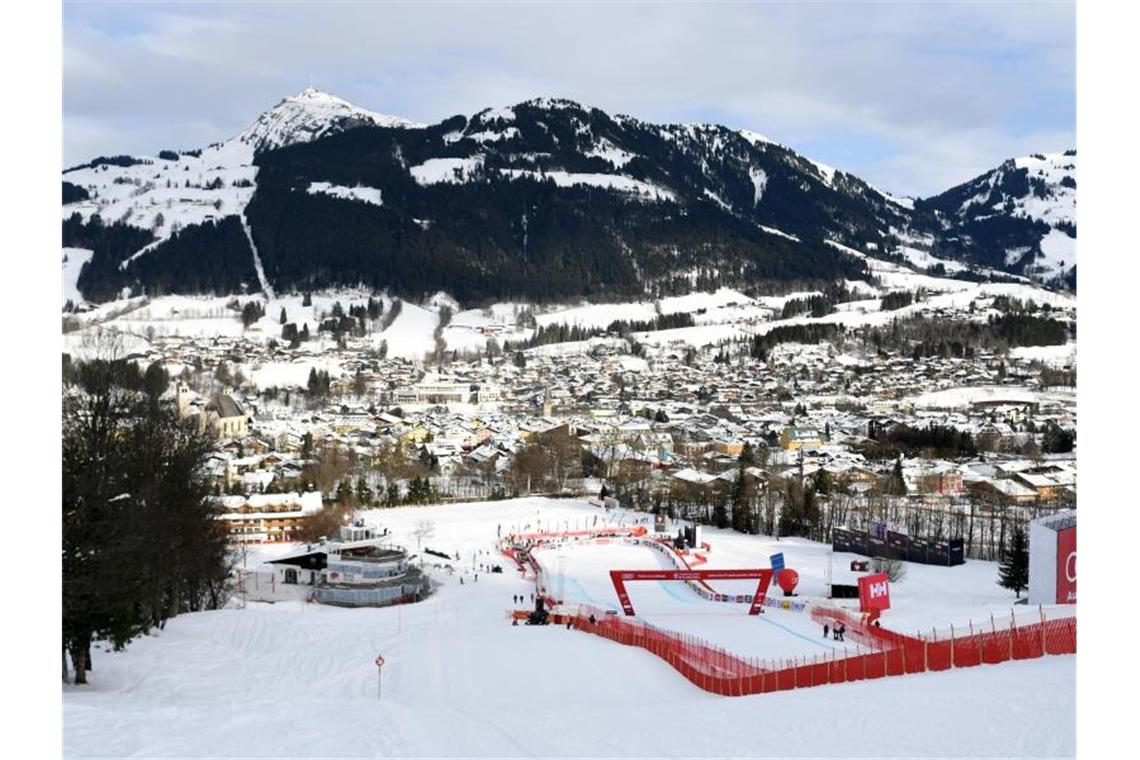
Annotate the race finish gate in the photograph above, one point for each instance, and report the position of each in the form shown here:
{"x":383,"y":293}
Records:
{"x":619,"y":577}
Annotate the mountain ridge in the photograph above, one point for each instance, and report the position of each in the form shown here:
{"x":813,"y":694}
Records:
{"x":335,"y":194}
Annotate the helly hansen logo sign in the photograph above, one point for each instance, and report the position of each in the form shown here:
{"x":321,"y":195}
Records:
{"x":874,"y":592}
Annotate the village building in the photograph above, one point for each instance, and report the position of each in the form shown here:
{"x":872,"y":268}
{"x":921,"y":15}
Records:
{"x":268,"y":518}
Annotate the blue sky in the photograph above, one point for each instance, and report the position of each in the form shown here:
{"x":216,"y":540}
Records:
{"x":912,"y":97}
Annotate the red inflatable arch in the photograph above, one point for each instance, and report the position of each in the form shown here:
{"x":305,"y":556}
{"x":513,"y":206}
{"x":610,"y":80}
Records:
{"x":619,"y":577}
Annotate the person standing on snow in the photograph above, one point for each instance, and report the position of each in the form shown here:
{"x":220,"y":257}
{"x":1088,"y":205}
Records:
{"x":825,"y":630}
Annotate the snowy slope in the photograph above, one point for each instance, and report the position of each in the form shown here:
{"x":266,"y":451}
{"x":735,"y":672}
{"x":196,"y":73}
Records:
{"x":219,"y":180}
{"x":166,"y":193}
{"x":1038,"y":193}
{"x":358,"y":192}
{"x":73,"y":261}
{"x":411,"y":334}
{"x":298,"y":680}
{"x":163,"y":195}
{"x":309,"y":115}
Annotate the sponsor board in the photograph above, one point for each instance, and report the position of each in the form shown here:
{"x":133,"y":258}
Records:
{"x":1067,"y":566}
{"x":874,"y":592}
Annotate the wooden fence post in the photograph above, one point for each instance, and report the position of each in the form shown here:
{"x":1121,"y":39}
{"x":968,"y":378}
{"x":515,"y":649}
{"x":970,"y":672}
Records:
{"x":952,"y":646}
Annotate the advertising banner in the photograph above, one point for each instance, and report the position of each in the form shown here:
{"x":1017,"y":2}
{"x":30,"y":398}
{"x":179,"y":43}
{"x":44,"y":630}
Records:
{"x":841,"y":540}
{"x":1067,"y":566}
{"x":957,"y":551}
{"x":777,"y":562}
{"x":938,"y":553}
{"x":916,"y":550}
{"x":896,"y":545}
{"x":874,"y":592}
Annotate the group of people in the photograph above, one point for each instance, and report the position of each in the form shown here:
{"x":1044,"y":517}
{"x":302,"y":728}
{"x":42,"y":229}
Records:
{"x":838,"y":631}
{"x":520,"y":598}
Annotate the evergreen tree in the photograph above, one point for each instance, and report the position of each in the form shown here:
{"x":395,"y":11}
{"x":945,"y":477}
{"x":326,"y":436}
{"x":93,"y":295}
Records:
{"x":156,"y":380}
{"x":742,"y":496}
{"x":823,"y":482}
{"x":140,"y":539}
{"x":1013,"y":572}
{"x":284,"y":318}
{"x":363,"y":491}
{"x":748,"y":455}
{"x":344,"y":492}
{"x":896,"y":484}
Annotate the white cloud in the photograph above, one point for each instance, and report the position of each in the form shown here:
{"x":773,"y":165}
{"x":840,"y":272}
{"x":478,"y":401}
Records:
{"x":922,"y":83}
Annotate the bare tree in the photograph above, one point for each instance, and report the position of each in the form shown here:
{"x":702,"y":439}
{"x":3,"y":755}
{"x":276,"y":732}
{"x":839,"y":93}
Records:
{"x":895,"y":569}
{"x":424,"y":529}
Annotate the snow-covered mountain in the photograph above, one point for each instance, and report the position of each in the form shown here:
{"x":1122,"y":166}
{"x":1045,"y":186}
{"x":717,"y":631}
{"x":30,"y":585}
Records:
{"x":546,"y":199}
{"x":1020,"y":216}
{"x":309,"y":115}
{"x":174,"y":189}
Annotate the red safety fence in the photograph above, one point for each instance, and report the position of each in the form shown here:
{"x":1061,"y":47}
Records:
{"x":715,"y":670}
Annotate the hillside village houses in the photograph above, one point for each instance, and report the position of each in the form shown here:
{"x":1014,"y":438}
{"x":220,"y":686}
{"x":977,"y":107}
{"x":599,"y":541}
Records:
{"x":650,"y":422}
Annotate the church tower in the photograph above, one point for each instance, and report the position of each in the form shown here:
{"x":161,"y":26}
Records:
{"x":182,"y":397}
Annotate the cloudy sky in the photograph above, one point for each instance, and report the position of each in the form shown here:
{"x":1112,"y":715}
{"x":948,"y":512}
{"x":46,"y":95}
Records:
{"x":912,"y":97}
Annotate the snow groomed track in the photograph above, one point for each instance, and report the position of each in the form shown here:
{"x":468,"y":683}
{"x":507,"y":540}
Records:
{"x":731,"y":654}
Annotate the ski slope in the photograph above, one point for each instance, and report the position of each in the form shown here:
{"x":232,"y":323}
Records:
{"x":776,"y":634}
{"x":298,"y":680}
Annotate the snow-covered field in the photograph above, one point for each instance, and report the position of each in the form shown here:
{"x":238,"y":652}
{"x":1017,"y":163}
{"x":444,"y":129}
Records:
{"x":720,"y":316}
{"x":953,"y":398}
{"x":73,"y":261}
{"x":298,"y":680}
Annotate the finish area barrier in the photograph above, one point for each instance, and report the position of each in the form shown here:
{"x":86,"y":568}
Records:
{"x":720,"y":672}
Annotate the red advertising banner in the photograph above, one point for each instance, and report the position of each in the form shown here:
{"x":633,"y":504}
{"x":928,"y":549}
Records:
{"x":619,"y":577}
{"x":874,"y":592}
{"x":1067,"y":566}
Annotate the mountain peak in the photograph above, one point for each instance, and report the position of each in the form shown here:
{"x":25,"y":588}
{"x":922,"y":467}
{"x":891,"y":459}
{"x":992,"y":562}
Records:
{"x":311,"y":114}
{"x":313,"y":95}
